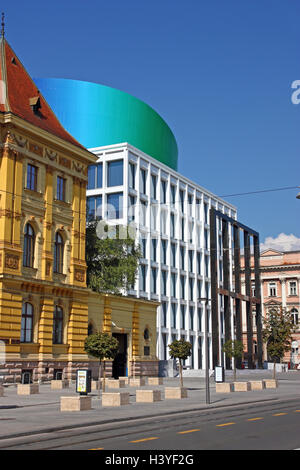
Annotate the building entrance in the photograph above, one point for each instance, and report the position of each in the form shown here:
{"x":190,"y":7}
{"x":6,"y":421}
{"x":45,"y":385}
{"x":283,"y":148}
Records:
{"x":120,"y":368}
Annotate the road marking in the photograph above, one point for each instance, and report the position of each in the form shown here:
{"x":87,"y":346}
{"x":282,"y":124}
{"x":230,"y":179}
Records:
{"x":190,"y":430}
{"x":225,"y":424}
{"x":254,"y":419}
{"x":143,"y":440}
{"x":279,"y":414}
{"x":98,"y":448}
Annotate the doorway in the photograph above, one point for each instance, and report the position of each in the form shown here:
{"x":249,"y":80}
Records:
{"x":119,"y":368}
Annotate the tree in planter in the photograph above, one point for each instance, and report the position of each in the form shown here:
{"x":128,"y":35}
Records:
{"x":112,"y":263}
{"x":277,"y":334}
{"x":233,"y":349}
{"x":181,"y":350}
{"x":102,"y":346}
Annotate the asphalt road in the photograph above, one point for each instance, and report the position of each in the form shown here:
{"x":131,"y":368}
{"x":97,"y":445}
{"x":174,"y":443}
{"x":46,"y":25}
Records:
{"x":273,"y":425}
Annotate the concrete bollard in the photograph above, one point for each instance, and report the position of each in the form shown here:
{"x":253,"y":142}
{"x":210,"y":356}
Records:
{"x":115,"y":398}
{"x":224,"y":387}
{"x":155,"y":381}
{"x":148,"y":396}
{"x":257,"y":385}
{"x":77,"y":403}
{"x":270,"y":383}
{"x":27,"y":389}
{"x":126,"y":379}
{"x":59,"y":384}
{"x":241,"y":386}
{"x":137,"y":382}
{"x":176,"y":393}
{"x":115,"y":383}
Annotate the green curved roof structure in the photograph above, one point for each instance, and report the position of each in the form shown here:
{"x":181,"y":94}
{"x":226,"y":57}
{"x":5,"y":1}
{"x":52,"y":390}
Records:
{"x":98,"y":115}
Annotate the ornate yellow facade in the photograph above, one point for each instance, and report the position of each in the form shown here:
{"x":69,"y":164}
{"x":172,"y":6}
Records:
{"x":45,"y":306}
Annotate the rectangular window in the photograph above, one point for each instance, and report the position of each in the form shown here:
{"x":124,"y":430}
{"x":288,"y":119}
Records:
{"x":115,"y":206}
{"x":115,"y":173}
{"x":182,"y":286}
{"x":199,"y":263}
{"x":164,"y":275}
{"x":174,"y":310}
{"x":131,"y":181}
{"x":153,"y":186}
{"x":173,"y":285}
{"x":172,"y":219}
{"x":164,"y":314}
{"x":199,"y":319}
{"x":131,"y":209}
{"x":272,"y":289}
{"x":191,"y":318}
{"x":173,"y":255}
{"x":293,"y":288}
{"x":191,"y":283}
{"x":191,"y":259}
{"x":94,"y":207}
{"x":61,"y":189}
{"x":144,"y":246}
{"x":154,"y":249}
{"x":164,"y":251}
{"x":182,"y":255}
{"x":143,"y":181}
{"x":182,"y":314}
{"x":95,"y":176}
{"x":173,"y":194}
{"x":181,"y":196}
{"x":143,"y":277}
{"x":32,"y":177}
{"x":143,"y":213}
{"x":190,"y":202}
{"x":153,"y":280}
{"x":206,"y":213}
{"x":163,"y":191}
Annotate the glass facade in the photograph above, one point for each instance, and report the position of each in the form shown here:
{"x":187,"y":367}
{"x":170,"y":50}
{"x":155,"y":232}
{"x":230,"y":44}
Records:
{"x":115,"y":206}
{"x":115,"y":173}
{"x":95,"y":176}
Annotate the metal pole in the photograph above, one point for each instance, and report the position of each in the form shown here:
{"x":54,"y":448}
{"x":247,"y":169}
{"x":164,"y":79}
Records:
{"x":207,"y":394}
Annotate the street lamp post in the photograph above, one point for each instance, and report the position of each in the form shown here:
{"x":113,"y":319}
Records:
{"x":207,"y":391}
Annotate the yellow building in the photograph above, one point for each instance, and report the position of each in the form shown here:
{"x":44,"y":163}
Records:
{"x":133,"y":322}
{"x":44,"y":302}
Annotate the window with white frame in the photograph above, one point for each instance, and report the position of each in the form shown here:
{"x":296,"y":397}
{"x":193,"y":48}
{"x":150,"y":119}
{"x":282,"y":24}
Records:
{"x":272,"y":289}
{"x":292,"y":288}
{"x":295,"y":316}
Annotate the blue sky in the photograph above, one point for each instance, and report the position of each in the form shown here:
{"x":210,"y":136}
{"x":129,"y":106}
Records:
{"x":219,"y":72}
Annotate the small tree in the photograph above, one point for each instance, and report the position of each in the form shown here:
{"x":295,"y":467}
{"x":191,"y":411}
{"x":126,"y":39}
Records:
{"x":277,"y":333}
{"x":181,"y":350}
{"x":102,"y":346}
{"x":233,"y":349}
{"x":112,"y":263}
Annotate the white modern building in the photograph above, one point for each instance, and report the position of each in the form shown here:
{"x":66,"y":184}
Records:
{"x":171,"y":216}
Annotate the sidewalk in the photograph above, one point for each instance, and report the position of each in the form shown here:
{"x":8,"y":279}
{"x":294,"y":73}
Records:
{"x":24,"y":415}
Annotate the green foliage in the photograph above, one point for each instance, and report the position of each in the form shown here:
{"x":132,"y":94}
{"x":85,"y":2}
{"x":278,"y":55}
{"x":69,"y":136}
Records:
{"x":180,"y":349}
{"x":233,"y":348}
{"x":112,"y":264}
{"x":277,"y":332}
{"x":101,"y":346}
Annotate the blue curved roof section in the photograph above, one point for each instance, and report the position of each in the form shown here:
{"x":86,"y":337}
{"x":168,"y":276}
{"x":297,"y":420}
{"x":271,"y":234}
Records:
{"x":98,"y":115}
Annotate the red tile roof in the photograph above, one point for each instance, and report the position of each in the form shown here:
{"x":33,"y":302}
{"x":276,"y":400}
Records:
{"x":20,"y":89}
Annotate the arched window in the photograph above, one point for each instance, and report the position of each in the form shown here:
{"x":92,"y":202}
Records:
{"x":90,"y":329}
{"x":58,"y":253}
{"x":295,"y":316}
{"x":29,"y":240}
{"x":58,"y":325}
{"x":27,"y":323}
